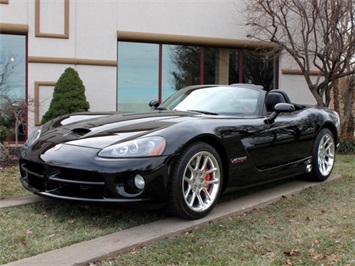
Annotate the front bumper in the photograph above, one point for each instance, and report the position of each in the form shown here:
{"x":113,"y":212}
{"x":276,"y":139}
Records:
{"x":77,"y":173}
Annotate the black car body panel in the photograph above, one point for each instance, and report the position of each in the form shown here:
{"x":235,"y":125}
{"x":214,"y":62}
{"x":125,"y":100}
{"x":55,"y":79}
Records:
{"x":254,"y":148}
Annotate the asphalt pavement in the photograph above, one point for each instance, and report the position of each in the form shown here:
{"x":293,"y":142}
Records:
{"x":123,"y":241}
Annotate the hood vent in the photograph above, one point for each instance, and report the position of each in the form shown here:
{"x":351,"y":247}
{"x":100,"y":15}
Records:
{"x":78,"y":131}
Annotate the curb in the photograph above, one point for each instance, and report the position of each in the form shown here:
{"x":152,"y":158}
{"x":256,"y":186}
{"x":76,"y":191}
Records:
{"x":117,"y":243}
{"x":7,"y":203}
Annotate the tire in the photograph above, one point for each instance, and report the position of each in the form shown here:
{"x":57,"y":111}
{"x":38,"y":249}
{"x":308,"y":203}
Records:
{"x":323,"y":156}
{"x":195,"y":182}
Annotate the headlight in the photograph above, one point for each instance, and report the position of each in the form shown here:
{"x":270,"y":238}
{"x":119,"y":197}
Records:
{"x":34,"y":136}
{"x":144,"y":147}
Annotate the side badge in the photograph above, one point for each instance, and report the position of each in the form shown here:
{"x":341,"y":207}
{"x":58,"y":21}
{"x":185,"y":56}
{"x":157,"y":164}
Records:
{"x":239,"y":160}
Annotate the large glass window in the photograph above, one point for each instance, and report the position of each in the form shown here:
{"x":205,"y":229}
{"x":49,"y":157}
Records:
{"x":169,"y":71}
{"x":234,"y":66}
{"x":138,"y":79}
{"x":13,"y":103}
{"x":148,"y":71}
{"x":258,"y":71}
{"x":210,"y":57}
{"x":186,"y":62}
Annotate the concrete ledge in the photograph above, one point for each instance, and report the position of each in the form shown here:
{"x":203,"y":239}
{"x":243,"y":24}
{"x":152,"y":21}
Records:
{"x":7,"y":203}
{"x":123,"y":241}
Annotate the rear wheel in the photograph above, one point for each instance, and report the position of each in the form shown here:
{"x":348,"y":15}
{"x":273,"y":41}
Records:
{"x":196,"y":182}
{"x":323,"y":155}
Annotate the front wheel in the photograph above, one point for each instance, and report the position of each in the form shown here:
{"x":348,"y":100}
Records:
{"x":196,"y":182}
{"x":323,"y":155}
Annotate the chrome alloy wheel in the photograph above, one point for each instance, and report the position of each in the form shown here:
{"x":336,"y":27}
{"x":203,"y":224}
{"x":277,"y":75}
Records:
{"x":201,"y":181}
{"x":326,"y":151}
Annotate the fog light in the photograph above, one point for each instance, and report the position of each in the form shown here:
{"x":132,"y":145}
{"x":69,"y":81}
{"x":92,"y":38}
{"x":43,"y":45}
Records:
{"x":139,"y":182}
{"x":309,"y":168}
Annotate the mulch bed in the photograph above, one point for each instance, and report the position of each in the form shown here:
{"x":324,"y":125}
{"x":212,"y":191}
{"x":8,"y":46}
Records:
{"x":12,"y":158}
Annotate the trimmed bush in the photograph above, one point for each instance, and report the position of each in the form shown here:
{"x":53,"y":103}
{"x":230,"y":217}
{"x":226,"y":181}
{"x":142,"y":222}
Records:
{"x":4,"y":132}
{"x":68,"y":96}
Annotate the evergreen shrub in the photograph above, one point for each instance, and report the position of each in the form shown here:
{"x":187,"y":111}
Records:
{"x":68,"y":96}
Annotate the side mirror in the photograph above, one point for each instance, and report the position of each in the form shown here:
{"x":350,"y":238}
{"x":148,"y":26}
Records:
{"x":279,"y":108}
{"x":153,"y":104}
{"x":284,"y":108}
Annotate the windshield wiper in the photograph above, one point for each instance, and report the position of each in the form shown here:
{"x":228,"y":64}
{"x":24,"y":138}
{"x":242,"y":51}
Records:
{"x":203,"y":112}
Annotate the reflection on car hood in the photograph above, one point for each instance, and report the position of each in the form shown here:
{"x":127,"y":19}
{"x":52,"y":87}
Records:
{"x":100,"y":132}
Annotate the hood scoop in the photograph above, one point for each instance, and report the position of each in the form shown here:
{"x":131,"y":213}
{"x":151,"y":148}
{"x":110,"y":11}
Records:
{"x":78,"y":131}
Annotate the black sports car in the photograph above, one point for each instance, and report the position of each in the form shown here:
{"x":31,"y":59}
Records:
{"x":201,"y":142}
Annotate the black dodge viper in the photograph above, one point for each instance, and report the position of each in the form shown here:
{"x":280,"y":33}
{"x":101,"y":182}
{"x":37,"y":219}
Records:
{"x":202,"y":141}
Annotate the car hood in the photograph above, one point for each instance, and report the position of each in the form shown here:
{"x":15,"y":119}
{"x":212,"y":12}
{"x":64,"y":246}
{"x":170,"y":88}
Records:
{"x":99,"y":132}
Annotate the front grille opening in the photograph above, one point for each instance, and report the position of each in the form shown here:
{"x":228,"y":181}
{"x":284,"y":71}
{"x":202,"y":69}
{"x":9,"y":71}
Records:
{"x":35,"y":182}
{"x":65,"y":182}
{"x":32,"y":174}
{"x":35,"y":168}
{"x":80,"y":176}
{"x":82,"y":191}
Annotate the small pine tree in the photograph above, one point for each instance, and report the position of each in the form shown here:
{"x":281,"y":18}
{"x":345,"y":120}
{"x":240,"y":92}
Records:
{"x":68,"y":96}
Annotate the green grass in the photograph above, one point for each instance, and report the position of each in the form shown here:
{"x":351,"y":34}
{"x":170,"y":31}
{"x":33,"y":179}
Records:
{"x":315,"y":227}
{"x":10,"y":186}
{"x":36,"y":228}
{"x":312,"y":228}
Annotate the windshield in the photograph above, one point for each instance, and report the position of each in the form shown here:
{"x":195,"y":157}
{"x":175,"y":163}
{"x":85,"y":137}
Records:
{"x":218,"y":100}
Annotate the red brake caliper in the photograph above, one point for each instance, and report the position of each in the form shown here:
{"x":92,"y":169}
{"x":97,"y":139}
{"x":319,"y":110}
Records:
{"x":208,"y":178}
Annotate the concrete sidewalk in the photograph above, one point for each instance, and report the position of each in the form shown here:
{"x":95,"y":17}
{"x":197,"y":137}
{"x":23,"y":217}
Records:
{"x":123,"y":241}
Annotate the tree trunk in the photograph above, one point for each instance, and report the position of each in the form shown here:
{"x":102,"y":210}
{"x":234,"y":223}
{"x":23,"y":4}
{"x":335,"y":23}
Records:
{"x":347,"y":123}
{"x":336,"y":97}
{"x":318,"y":97}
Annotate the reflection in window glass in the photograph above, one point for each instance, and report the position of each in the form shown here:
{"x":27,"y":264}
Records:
{"x":259,"y":71}
{"x":13,"y":105}
{"x":186,"y":60}
{"x":210,"y":56}
{"x":181,"y":67}
{"x":234,"y":66}
{"x":169,"y":71}
{"x":140,"y":79}
{"x":138,"y":75}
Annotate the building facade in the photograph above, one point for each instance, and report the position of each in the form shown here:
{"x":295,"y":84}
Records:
{"x":127,"y":53}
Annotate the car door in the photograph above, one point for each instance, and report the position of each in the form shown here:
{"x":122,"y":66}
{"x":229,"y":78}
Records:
{"x":288,"y":139}
{"x":264,"y":147}
{"x":245,"y":140}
